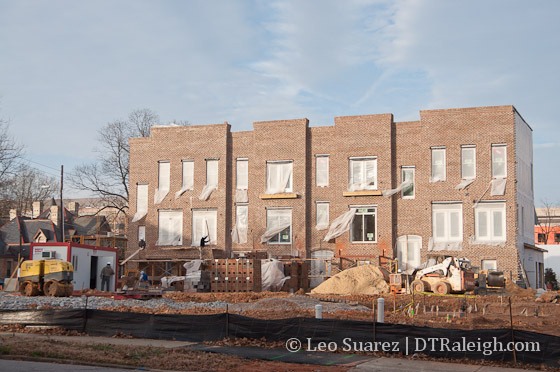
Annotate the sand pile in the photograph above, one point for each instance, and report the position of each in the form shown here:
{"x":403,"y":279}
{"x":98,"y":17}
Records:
{"x":515,"y":290}
{"x":366,"y":280}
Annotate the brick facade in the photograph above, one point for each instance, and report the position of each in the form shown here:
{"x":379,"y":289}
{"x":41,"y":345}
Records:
{"x":394,"y":144}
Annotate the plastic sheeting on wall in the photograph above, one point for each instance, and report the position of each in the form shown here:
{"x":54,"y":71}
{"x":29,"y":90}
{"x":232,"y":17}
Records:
{"x":141,"y":202}
{"x":188,"y":178}
{"x":241,"y":196}
{"x":444,"y":246}
{"x":387,"y":193}
{"x":363,"y":175}
{"x":207,"y":191}
{"x":341,"y":224}
{"x":239,"y":231}
{"x":322,"y":216}
{"x":170,"y":227}
{"x":163,"y":182}
{"x":274,"y":227}
{"x":464,"y":183}
{"x":272,"y":273}
{"x":278,"y":177}
{"x":498,"y":187}
{"x":204,"y":224}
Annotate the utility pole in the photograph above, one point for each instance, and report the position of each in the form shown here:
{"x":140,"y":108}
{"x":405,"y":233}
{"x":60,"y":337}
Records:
{"x":61,"y":202}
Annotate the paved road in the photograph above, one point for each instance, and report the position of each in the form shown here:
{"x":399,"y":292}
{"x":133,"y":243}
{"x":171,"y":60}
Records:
{"x":21,"y":366}
{"x":399,"y":365}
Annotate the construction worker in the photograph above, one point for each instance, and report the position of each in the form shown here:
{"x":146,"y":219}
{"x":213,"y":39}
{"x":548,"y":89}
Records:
{"x":106,"y":274}
{"x":203,"y":241}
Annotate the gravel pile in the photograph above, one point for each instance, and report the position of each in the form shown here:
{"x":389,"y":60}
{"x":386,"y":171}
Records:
{"x":10,"y":302}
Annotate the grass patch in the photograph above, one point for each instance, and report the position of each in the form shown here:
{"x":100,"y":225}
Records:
{"x":5,"y":349}
{"x":36,"y":354}
{"x":102,"y":347}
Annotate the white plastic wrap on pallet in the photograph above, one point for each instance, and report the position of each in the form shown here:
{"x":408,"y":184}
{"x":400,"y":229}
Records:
{"x":141,"y":202}
{"x":272,"y":274}
{"x":498,"y":186}
{"x":192,"y":266}
{"x":387,"y":193}
{"x":341,"y":224}
{"x":464,"y":183}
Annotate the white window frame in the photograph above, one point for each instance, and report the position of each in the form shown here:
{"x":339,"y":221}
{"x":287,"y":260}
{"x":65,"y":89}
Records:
{"x":413,"y":170}
{"x":242,"y":177}
{"x":484,"y":264}
{"x":465,"y":149}
{"x":494,"y":161}
{"x":210,"y":172}
{"x":276,"y":166}
{"x":277,"y":213}
{"x":187,"y":167}
{"x":434,"y":151}
{"x":322,"y":163}
{"x":165,"y":224}
{"x":360,"y":215}
{"x":362,"y":162}
{"x":447,"y":210}
{"x":489,"y":209}
{"x":213,"y":230}
{"x":322,"y":205}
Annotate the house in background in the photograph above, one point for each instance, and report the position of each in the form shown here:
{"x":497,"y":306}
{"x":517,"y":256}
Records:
{"x":547,"y":236}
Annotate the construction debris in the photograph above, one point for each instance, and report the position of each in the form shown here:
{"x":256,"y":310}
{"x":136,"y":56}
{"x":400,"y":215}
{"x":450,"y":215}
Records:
{"x":364,"y":280}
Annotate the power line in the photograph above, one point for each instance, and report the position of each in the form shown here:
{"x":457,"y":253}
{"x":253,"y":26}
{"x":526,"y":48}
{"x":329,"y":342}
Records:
{"x":46,"y":166}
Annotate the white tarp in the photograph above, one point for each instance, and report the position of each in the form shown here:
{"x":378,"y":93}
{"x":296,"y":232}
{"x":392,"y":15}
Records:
{"x":239,"y":231}
{"x":272,"y":274}
{"x":278,"y":177}
{"x":341,"y":224}
{"x":498,"y":187}
{"x":322,"y":216}
{"x":170,"y":227}
{"x":241,"y":196}
{"x":188,"y":178}
{"x":163,"y":182}
{"x":364,"y":175}
{"x":275,"y":227}
{"x":387,"y":193}
{"x":192,"y":266}
{"x":207,"y":191}
{"x":464,"y":183}
{"x":444,"y":246}
{"x":141,"y":202}
{"x":473,"y":241}
{"x":204,"y":224}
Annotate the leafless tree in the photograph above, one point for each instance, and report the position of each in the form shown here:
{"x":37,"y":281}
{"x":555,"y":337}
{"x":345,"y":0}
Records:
{"x":108,"y":177}
{"x":547,"y":219}
{"x":27,"y":186}
{"x":10,"y":153}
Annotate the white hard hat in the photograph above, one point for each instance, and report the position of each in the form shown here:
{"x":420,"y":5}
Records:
{"x":108,"y":263}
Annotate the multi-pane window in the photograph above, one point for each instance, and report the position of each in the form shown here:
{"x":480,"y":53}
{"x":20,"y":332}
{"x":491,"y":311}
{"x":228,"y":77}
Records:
{"x":279,"y":177}
{"x":499,"y":161}
{"x":322,"y":170}
{"x":204,"y":225}
{"x":322,"y":215}
{"x":490,"y":265}
{"x":438,"y":164}
{"x":408,"y":191}
{"x":556,"y":238}
{"x":212,"y":172}
{"x":363,"y":229}
{"x":276,"y":219}
{"x":468,"y":162}
{"x":242,"y":177}
{"x":141,"y":201}
{"x":490,"y":222}
{"x":363,"y":173}
{"x":188,"y":174}
{"x":447,"y":222}
{"x":170,"y":227}
{"x":541,"y":238}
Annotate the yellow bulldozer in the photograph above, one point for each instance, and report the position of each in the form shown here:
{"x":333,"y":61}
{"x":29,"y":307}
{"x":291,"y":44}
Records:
{"x":49,"y":277}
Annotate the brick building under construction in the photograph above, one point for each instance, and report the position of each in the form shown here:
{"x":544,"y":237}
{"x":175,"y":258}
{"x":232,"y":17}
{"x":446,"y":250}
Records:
{"x":457,"y":181}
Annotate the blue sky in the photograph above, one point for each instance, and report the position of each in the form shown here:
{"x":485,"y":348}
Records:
{"x":69,"y":67}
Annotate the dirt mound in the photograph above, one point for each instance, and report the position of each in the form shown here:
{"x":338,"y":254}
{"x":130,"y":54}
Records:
{"x":515,"y":290}
{"x":365,"y":280}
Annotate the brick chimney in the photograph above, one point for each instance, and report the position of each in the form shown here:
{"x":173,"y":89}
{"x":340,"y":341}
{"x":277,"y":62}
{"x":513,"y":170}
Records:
{"x":37,"y":208}
{"x":13,"y":214}
{"x":54,"y":214}
{"x":73,"y":207}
